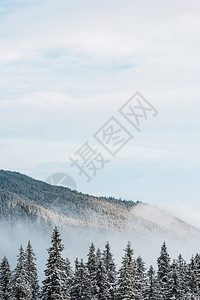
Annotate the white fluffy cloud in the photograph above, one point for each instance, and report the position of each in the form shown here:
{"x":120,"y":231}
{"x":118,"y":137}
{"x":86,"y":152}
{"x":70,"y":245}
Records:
{"x":66,"y":67}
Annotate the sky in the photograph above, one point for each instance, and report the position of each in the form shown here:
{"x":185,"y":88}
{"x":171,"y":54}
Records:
{"x":67,"y":67}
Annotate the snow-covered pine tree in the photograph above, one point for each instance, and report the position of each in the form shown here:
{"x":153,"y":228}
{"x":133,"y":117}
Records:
{"x":141,"y":272}
{"x":20,"y":284}
{"x":176,"y":291}
{"x":152,"y":287}
{"x":54,"y":285}
{"x":192,"y":277}
{"x":102,"y":283}
{"x":68,"y":271}
{"x":110,"y":269}
{"x":182,"y":271}
{"x":197,"y":261}
{"x":98,"y":257}
{"x":91,"y":266}
{"x":32,"y":272}
{"x":74,"y":287}
{"x":164,"y":272}
{"x":81,"y":285}
{"x":127,"y":284}
{"x":5,"y":279}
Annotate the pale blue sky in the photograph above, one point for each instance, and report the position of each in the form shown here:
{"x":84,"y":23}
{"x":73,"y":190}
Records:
{"x":67,"y":66}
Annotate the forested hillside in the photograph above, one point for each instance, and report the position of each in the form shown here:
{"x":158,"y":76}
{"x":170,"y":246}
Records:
{"x":25,"y":199}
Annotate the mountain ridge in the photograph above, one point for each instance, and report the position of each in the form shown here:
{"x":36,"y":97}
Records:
{"x":23,"y":198}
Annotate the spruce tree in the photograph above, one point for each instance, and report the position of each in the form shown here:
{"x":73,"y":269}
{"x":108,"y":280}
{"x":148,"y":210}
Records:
{"x":102,"y":284}
{"x":141,"y":272}
{"x":5,"y":279}
{"x":127,"y":280}
{"x":182,"y":271}
{"x":54,"y":285}
{"x":176,"y":292}
{"x":164,"y":272}
{"x":193,"y":278}
{"x":21,"y":288}
{"x":152,"y":287}
{"x":197,"y":262}
{"x":32,"y":272}
{"x":91,"y":265}
{"x":81,"y":285}
{"x":110,"y":269}
{"x":98,"y":258}
{"x":68,"y":271}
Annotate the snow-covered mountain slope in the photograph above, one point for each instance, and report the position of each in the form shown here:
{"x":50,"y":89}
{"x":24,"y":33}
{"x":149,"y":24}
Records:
{"x":25,"y":199}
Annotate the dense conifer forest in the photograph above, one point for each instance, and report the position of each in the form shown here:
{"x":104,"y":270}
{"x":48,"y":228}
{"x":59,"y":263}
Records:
{"x":98,"y":277}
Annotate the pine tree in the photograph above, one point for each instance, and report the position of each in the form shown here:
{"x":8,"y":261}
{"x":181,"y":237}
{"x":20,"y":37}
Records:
{"x":21,"y":288}
{"x":176,"y":292}
{"x":152,"y":287}
{"x":98,"y":258}
{"x":32,"y":272}
{"x":5,"y":279}
{"x":91,"y":265}
{"x":102,"y":283}
{"x":141,"y":272}
{"x":110,"y":269}
{"x":54,"y":285}
{"x":127,"y":280}
{"x":182,"y":271}
{"x":81,"y":285}
{"x":192,"y":276}
{"x":197,"y":262}
{"x":68,"y":272}
{"x":164,"y":272}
